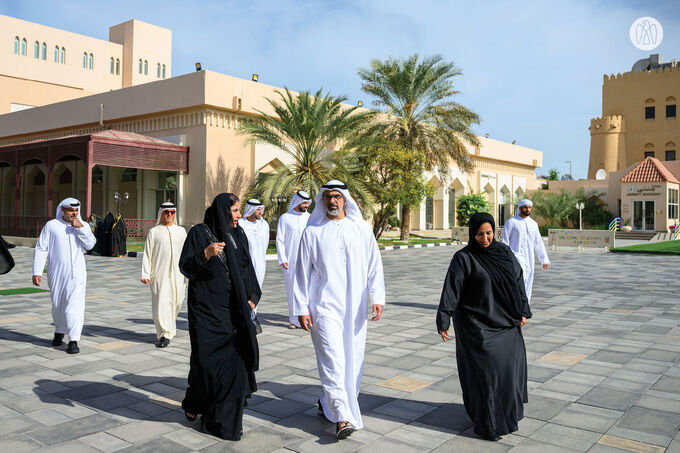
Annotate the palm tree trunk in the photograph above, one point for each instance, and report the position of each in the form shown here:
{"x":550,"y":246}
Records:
{"x":405,"y":222}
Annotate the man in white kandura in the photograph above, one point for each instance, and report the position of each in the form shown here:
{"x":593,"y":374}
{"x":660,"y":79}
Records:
{"x":338,"y":266}
{"x":160,"y":269}
{"x":288,"y":235}
{"x":63,"y":242}
{"x":521,"y":234}
{"x":257,"y":232}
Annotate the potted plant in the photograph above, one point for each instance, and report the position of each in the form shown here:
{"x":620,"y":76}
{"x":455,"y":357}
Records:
{"x":627,"y":227}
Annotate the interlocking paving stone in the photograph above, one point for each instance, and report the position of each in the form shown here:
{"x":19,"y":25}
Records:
{"x":404,"y":384}
{"x":630,"y":374}
{"x":630,"y":445}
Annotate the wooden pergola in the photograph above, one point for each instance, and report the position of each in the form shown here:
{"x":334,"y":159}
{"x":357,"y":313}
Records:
{"x":109,"y":148}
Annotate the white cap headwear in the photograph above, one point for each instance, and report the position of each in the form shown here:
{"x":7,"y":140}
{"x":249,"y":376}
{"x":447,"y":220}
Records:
{"x":167,"y":206}
{"x":300,"y":197}
{"x":68,"y":203}
{"x":525,"y":202}
{"x":319,"y":214}
{"x":252,"y":205}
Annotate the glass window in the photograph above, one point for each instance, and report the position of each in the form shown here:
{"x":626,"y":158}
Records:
{"x":158,"y":70}
{"x":452,"y":207}
{"x":670,"y":154}
{"x":649,"y":113}
{"x":140,"y":65}
{"x":16,"y":45}
{"x":166,"y":188}
{"x":44,"y":51}
{"x":97,"y":175}
{"x":66,"y":177}
{"x":90,"y":63}
{"x":649,"y":154}
{"x":673,"y":203}
{"x":670,"y":111}
{"x":36,"y":49}
{"x":163,"y":71}
{"x":111,"y":66}
{"x":56,"y":54}
{"x":117,"y":66}
{"x":129,"y":175}
{"x":23,"y":47}
{"x":146,"y":67}
{"x":63,"y":55}
{"x":84,"y":60}
{"x":39,"y":179}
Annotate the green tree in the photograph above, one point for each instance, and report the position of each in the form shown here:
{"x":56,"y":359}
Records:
{"x":386,"y":172}
{"x":466,"y":205}
{"x":553,"y":175}
{"x":555,"y":208}
{"x":308,"y":127}
{"x":416,"y":96}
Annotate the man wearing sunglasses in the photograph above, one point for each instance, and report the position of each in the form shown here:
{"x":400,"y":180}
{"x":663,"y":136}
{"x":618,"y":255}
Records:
{"x":160,"y":270}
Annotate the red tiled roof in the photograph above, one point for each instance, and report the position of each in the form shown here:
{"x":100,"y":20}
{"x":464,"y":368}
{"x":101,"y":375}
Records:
{"x":105,"y":134}
{"x":650,"y":170}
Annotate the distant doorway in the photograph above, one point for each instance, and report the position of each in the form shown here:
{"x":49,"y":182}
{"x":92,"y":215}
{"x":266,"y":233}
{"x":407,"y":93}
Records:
{"x":643,"y":215}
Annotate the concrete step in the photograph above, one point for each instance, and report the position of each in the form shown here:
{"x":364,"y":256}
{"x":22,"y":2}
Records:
{"x":635,"y":235}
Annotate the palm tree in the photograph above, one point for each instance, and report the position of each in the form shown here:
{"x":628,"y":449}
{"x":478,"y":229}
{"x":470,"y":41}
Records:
{"x":416,"y":95}
{"x":311,"y":129}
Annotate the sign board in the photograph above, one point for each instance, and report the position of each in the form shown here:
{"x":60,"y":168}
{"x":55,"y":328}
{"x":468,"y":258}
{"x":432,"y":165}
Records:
{"x":582,"y":238}
{"x":461,"y":234}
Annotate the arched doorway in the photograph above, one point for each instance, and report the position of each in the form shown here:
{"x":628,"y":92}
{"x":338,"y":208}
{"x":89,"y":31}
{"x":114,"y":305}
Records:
{"x":504,"y":205}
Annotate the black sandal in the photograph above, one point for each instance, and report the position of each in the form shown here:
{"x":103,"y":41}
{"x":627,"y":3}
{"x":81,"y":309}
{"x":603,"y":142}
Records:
{"x":345,"y":431}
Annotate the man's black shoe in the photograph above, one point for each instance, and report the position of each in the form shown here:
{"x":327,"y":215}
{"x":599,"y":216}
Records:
{"x":58,"y":339}
{"x":72,"y":347}
{"x":163,"y":342}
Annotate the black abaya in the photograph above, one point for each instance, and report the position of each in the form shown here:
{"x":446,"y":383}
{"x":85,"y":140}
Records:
{"x":6,"y":260}
{"x":118,"y":237}
{"x":224,"y":352}
{"x":484,"y":293}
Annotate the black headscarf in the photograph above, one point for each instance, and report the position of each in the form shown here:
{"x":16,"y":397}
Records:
{"x":498,"y":261}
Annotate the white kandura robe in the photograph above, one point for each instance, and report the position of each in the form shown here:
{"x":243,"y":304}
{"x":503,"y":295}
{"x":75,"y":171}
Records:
{"x":338,"y":266}
{"x":160,"y":264}
{"x":521,"y":234}
{"x":288,"y":235}
{"x":64,"y":247}
{"x":258,"y":240}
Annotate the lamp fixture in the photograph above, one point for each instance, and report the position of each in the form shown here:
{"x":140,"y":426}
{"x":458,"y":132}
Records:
{"x":198,"y":66}
{"x":255,"y":77}
{"x":360,"y":103}
{"x":486,"y":135}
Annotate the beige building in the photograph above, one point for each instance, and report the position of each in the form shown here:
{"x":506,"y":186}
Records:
{"x":171,"y":138}
{"x":639,"y":117}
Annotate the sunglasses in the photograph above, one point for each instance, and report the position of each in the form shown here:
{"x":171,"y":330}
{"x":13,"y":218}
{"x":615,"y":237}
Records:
{"x":169,"y":212}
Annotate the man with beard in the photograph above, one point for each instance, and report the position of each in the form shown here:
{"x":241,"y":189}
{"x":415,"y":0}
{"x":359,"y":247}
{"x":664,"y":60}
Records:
{"x":521,"y":234}
{"x":288,"y":235}
{"x":338,"y":266}
{"x":64,"y":240}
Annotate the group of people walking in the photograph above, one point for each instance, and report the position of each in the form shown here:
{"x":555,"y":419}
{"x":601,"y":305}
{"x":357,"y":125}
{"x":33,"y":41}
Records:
{"x":332,"y":270}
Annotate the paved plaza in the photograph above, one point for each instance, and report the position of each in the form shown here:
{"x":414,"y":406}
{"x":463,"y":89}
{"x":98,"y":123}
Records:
{"x":603,"y":350}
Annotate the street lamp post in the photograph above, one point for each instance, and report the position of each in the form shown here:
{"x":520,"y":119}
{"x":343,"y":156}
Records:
{"x":278,"y":200}
{"x":580,"y":207}
{"x":120,"y":199}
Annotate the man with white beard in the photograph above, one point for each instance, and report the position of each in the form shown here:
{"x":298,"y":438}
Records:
{"x":63,"y":242}
{"x":160,"y":270}
{"x":338,"y":267}
{"x":257,"y":232}
{"x":521,"y":234}
{"x":288,"y":234}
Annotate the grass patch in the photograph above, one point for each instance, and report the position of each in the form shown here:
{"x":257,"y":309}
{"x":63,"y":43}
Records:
{"x":135,"y":246}
{"x":388,"y":242}
{"x":15,"y":291}
{"x":663,"y":247}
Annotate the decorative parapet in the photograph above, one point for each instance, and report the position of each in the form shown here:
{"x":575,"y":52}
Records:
{"x":670,"y":71}
{"x":608,"y":124}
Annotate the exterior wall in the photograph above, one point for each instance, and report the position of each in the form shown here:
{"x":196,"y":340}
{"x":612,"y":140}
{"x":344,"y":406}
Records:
{"x":145,"y":42}
{"x":625,"y":96}
{"x":647,"y":191}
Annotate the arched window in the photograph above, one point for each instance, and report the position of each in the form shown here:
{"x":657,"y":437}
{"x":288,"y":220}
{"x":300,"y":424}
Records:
{"x":39,"y":179}
{"x":16,"y":45}
{"x":117,"y":66}
{"x":66,"y":177}
{"x":44,"y":51}
{"x":36,"y":49}
{"x":140,"y":65}
{"x":56,"y":54}
{"x":163,"y":71}
{"x":146,"y":67}
{"x":97,"y":175}
{"x":111,"y":68}
{"x":63,"y":56}
{"x":84,"y":60}
{"x":158,"y":70}
{"x":129,"y":175}
{"x":90,"y":63}
{"x":23,"y":47}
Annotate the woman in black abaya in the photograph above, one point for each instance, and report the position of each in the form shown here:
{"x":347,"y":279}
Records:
{"x":223,"y":290}
{"x":484,"y":293}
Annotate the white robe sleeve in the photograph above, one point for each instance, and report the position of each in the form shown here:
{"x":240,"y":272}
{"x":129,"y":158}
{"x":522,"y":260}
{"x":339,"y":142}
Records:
{"x":303,"y":268}
{"x":539,"y":246}
{"x":41,"y":250}
{"x":505,"y":235}
{"x":85,"y":236}
{"x":146,"y":257}
{"x":281,"y":241}
{"x":376,"y":279}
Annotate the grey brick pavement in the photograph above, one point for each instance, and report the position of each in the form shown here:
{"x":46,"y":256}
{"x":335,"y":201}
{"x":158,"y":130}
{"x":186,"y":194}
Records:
{"x":603,"y":350}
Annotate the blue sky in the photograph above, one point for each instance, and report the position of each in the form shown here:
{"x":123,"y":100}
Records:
{"x":531,"y":70}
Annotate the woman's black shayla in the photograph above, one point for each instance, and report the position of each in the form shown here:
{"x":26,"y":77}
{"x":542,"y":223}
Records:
{"x":484,"y":293}
{"x":224,"y":350}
